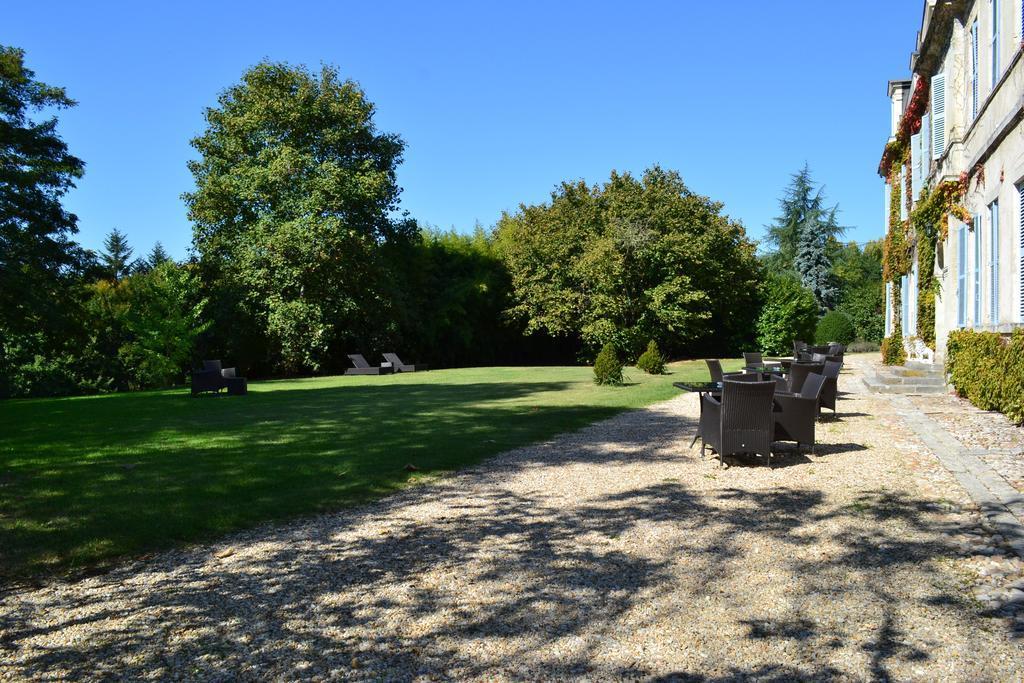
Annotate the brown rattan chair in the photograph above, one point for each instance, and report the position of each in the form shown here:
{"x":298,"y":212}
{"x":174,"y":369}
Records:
{"x":741,"y":422}
{"x":798,"y":373}
{"x":715,"y":370}
{"x":797,"y":414}
{"x":830,"y":390}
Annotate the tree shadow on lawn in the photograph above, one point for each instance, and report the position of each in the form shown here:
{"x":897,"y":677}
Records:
{"x":128,"y":476}
{"x":428,"y":594}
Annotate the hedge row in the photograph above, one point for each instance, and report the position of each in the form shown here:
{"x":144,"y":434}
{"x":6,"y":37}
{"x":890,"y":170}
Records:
{"x":987,"y":369}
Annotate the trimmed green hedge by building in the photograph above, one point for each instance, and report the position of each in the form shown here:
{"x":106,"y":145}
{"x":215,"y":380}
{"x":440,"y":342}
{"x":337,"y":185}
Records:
{"x":987,"y":369}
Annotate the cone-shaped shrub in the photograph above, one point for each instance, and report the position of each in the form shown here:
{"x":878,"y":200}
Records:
{"x":651,"y":361}
{"x":608,"y":367}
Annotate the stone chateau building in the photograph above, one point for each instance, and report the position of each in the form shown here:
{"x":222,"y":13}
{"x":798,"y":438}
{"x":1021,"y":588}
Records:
{"x":954,"y":170}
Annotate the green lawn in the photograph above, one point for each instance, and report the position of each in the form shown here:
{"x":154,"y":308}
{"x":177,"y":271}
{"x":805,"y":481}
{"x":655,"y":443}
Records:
{"x":85,"y":480}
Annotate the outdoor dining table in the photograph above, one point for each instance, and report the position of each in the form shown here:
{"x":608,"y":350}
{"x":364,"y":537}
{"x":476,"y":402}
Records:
{"x":700,"y":388}
{"x":768,"y":369}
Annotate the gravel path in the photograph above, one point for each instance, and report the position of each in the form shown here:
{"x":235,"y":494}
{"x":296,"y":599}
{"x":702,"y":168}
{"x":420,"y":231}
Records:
{"x":610,"y":553}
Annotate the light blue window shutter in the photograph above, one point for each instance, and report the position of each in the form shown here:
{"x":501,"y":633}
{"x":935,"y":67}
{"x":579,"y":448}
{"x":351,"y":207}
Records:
{"x":926,"y":147}
{"x":903,"y":187}
{"x":976,"y":321}
{"x":961,"y":276}
{"x":938,"y":115}
{"x":1020,"y":274}
{"x":993,"y":307}
{"x":905,"y":305}
{"x":888,"y":309}
{"x":974,"y":69}
{"x":915,"y":165}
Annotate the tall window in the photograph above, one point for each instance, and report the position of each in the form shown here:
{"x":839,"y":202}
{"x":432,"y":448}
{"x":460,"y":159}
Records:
{"x":993,"y":263}
{"x":1020,"y":214}
{"x":974,"y":69}
{"x":994,"y":57}
{"x":976,"y":321}
{"x":938,"y":115}
{"x":961,"y":276}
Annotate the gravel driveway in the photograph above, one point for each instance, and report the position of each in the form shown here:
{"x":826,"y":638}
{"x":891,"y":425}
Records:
{"x":614,"y":552}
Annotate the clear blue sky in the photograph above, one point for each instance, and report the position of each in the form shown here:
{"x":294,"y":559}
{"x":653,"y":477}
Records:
{"x":497,"y":102}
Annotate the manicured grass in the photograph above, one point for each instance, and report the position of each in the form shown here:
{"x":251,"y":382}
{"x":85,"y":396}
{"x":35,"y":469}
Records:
{"x":85,"y":480}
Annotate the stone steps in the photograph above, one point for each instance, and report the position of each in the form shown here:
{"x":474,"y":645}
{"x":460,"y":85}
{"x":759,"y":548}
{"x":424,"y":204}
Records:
{"x":912,"y":378}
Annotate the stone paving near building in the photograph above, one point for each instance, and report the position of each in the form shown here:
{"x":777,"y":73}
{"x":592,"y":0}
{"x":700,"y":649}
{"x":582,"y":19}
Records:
{"x":989,"y":435}
{"x":611,"y":553}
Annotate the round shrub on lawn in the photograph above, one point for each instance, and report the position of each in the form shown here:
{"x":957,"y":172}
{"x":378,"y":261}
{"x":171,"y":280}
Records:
{"x":608,"y":367}
{"x":651,"y":361}
{"x":834,"y":327}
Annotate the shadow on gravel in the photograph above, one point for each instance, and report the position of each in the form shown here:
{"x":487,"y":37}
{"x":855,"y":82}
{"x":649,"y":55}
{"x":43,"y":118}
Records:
{"x":338,"y":602}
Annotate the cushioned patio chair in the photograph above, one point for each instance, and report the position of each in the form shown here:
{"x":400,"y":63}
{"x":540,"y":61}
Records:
{"x":361,"y":367}
{"x":798,"y":373}
{"x":213,"y":378}
{"x":830,"y":389}
{"x":399,"y":366}
{"x":741,"y":422}
{"x":798,"y":413}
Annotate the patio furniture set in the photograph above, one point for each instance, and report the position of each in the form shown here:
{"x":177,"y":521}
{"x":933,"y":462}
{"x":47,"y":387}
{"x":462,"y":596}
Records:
{"x":212,"y":378}
{"x":771,"y":400}
{"x":392,"y":363}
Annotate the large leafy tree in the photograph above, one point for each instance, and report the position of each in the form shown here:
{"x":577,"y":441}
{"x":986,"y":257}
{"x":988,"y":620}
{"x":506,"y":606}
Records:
{"x":38,"y":258}
{"x":36,"y":250}
{"x":632,"y":260}
{"x":295,"y":191}
{"x":858,"y":273}
{"x":804,"y":236}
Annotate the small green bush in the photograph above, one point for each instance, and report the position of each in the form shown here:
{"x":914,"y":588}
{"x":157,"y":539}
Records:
{"x":789,"y":312}
{"x":861,"y":346}
{"x":651,"y":361}
{"x":834,"y":327}
{"x":608,"y":367}
{"x":892,"y":351}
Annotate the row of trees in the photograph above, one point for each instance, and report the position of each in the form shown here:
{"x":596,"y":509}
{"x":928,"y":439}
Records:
{"x":302,"y":255}
{"x":810,"y":271}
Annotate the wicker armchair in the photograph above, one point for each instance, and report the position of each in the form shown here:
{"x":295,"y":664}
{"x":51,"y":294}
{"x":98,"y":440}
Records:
{"x":715,"y":370}
{"x":831,"y":387}
{"x":798,"y":372}
{"x":798,"y":413}
{"x":214,"y":378}
{"x":741,"y":422}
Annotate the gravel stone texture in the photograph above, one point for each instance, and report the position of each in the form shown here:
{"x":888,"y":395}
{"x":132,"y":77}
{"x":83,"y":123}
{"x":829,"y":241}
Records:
{"x":614,"y":552}
{"x":988,"y":434}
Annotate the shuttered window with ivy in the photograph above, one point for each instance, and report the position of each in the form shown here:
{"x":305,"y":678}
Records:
{"x":938,"y":115}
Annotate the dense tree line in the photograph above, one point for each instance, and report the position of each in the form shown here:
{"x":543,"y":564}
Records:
{"x":301,"y":255}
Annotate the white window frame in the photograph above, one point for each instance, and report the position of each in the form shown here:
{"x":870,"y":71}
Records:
{"x":994,"y":48}
{"x":961,"y":276}
{"x":993,"y":264}
{"x":974,"y":70}
{"x":976,"y":317}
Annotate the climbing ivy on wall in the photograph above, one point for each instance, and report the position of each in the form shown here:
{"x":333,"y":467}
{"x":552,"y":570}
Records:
{"x":928,"y":223}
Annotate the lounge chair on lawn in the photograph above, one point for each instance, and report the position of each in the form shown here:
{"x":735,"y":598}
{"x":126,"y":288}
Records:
{"x":214,"y":378}
{"x":364,"y":368}
{"x":399,"y":366}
